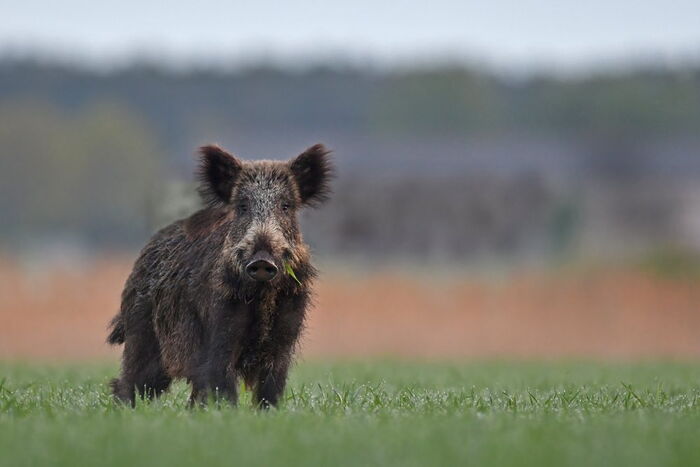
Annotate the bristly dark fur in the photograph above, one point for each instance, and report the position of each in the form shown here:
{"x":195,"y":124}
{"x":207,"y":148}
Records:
{"x":313,"y":171}
{"x":116,"y":335}
{"x":189,"y":309}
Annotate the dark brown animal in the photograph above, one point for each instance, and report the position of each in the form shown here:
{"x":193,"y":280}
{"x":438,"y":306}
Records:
{"x":221,"y":296}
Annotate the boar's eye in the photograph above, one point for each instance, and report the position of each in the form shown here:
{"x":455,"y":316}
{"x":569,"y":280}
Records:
{"x":285,"y":207}
{"x":243,"y":207}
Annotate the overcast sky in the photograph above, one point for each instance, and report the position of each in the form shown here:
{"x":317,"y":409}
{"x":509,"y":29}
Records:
{"x":506,"y":34}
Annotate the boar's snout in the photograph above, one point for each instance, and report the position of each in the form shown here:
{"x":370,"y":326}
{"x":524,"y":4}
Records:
{"x":261,"y":267}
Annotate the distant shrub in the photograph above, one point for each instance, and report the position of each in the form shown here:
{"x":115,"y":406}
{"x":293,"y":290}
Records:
{"x":673,"y":261}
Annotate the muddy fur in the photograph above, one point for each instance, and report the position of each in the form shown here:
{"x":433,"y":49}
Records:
{"x":190,"y":311}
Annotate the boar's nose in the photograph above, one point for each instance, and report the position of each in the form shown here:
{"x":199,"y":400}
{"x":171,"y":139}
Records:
{"x":261,"y":267}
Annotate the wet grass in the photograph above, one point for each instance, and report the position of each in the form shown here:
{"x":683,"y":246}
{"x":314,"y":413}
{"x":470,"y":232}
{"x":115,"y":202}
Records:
{"x":372,"y":413}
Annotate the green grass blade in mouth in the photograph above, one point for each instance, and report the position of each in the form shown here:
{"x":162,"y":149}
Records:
{"x":290,"y":271}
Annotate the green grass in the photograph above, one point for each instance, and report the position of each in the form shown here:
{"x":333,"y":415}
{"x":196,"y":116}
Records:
{"x":379,"y":413}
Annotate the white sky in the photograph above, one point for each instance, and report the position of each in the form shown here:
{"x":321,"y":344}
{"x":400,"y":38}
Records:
{"x":506,"y":34}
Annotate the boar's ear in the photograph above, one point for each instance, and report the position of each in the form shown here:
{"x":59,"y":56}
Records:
{"x":217,"y":174}
{"x":313,"y":171}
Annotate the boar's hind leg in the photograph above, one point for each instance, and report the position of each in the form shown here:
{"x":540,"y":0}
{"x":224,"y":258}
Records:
{"x":142,"y":366}
{"x":142,"y":371}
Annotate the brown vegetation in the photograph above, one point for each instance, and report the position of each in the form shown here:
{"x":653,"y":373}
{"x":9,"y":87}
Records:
{"x":616,"y":313}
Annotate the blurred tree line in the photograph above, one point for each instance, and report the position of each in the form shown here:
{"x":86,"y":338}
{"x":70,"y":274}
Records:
{"x":634,"y":103}
{"x":80,"y":175}
{"x":446,"y":161}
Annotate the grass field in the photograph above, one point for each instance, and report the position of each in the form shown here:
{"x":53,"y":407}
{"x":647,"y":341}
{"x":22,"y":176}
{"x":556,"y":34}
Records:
{"x":379,"y":413}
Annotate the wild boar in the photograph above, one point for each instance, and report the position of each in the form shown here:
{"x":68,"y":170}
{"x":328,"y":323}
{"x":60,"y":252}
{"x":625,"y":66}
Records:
{"x":221,"y":296}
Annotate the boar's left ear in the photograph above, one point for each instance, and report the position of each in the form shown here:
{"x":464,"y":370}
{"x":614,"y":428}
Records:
{"x":218,"y":171}
{"x":313,"y":171}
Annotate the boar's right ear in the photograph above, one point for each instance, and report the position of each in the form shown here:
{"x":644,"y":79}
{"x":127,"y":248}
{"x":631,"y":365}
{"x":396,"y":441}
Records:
{"x":217,"y":174}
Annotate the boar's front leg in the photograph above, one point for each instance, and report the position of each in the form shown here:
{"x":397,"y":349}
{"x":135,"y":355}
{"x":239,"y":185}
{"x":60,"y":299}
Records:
{"x":272,"y":376}
{"x":217,"y":375}
{"x":271,"y":383}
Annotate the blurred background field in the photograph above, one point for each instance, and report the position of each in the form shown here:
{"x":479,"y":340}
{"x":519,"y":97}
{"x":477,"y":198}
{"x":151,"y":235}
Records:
{"x":599,"y":312}
{"x":504,"y":189}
